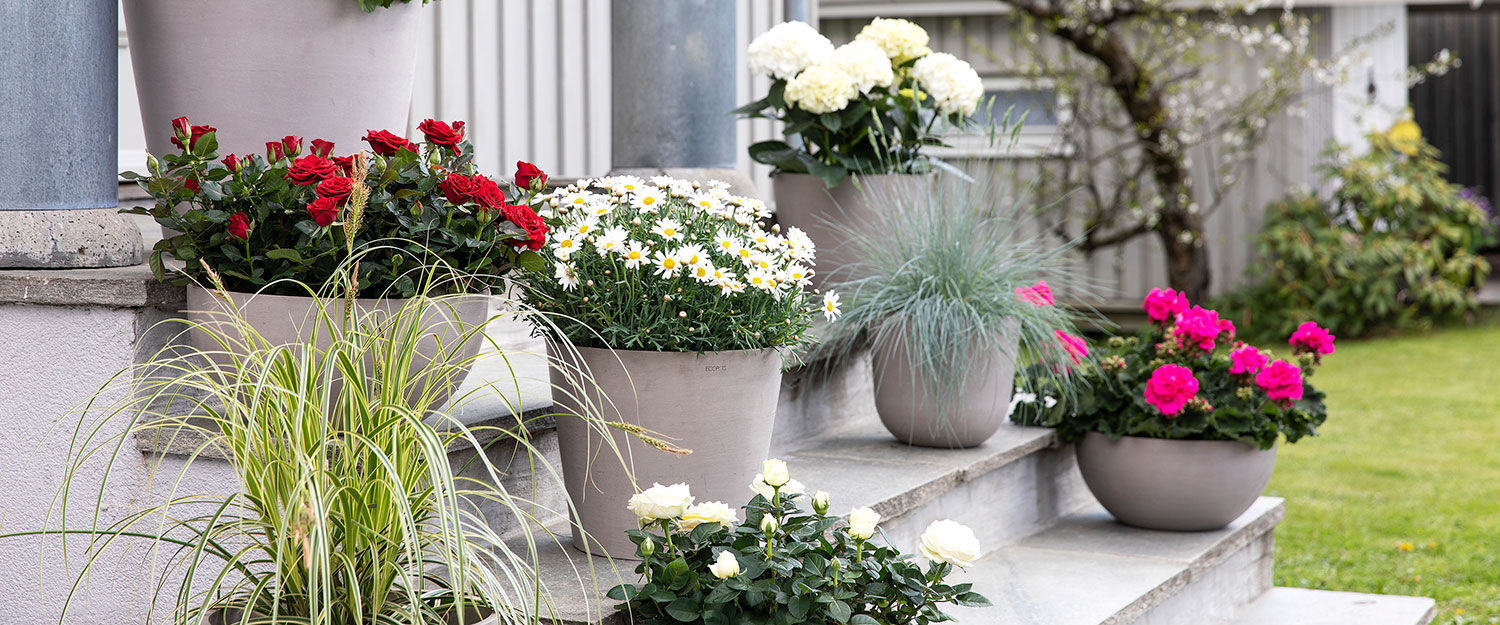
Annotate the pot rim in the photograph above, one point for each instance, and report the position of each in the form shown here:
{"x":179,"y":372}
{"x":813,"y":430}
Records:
{"x":1097,"y":434}
{"x":193,"y":287}
{"x":551,"y":344}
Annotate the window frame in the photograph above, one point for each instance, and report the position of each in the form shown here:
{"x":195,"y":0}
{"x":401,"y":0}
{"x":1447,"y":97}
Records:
{"x":1033,"y":141}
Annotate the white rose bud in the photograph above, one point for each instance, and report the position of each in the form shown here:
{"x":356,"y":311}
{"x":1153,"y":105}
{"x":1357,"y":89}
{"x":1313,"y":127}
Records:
{"x":648,"y":546}
{"x":707,"y":512}
{"x":862,"y":523}
{"x":769,"y":525}
{"x":660,"y":502}
{"x":820,"y":502}
{"x":775,"y":473}
{"x":948,"y":541}
{"x":725,"y":567}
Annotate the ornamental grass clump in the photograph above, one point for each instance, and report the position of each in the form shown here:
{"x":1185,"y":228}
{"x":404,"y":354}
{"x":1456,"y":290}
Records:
{"x":867,"y":107}
{"x":671,"y":265}
{"x":784,"y":564}
{"x":297,"y":213}
{"x":1187,"y":378}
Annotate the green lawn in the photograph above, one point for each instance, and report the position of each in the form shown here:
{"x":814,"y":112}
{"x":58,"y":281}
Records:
{"x":1401,"y":492}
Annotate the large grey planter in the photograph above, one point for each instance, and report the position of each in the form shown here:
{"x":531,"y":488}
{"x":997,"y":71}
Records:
{"x":1174,"y":485}
{"x":288,"y":320}
{"x":827,"y":215}
{"x":974,"y":412}
{"x":261,"y":69}
{"x":719,"y":405}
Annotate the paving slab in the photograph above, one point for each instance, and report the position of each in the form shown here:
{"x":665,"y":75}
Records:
{"x":1304,"y":606}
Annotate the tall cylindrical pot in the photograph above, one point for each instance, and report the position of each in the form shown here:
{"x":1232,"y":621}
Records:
{"x":719,"y":405}
{"x":964,"y":416}
{"x":261,"y":69}
{"x":1175,"y":485}
{"x":291,"y":320}
{"x":827,"y":215}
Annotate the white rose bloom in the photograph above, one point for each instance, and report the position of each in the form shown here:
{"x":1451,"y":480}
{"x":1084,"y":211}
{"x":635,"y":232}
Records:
{"x":862,"y":522}
{"x":775,"y":473}
{"x":866,"y":63}
{"x":661,"y":502}
{"x":821,"y":89}
{"x":901,"y":40}
{"x":948,"y":541}
{"x":787,"y":49}
{"x":708,"y":512}
{"x":953,"y":84}
{"x":726,"y":566}
{"x":792,"y":488}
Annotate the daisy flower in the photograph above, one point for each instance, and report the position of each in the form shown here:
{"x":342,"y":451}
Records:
{"x":726,"y":243}
{"x":761,"y":280}
{"x":612,"y":240}
{"x":692,"y":254}
{"x":666,"y":263}
{"x":567,"y":276}
{"x":704,"y":272}
{"x":565,"y":243}
{"x":668,"y":229}
{"x":706,"y":203}
{"x":730,"y":286}
{"x":797,"y":274}
{"x":648,"y":200}
{"x":757,"y":208}
{"x":579,"y":199}
{"x":634,"y":254}
{"x":763,"y":262}
{"x":586,"y":226}
{"x":831,"y":306}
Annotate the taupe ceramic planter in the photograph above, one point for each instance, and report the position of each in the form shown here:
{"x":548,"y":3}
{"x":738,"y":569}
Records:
{"x":1174,"y":485}
{"x":291,"y":320}
{"x":802,"y":200}
{"x":913,"y":416}
{"x":261,"y":69}
{"x":719,"y":405}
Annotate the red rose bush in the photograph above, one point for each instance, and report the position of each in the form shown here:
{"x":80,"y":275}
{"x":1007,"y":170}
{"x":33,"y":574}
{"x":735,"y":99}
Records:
{"x":1186,"y":377}
{"x":412,"y":215}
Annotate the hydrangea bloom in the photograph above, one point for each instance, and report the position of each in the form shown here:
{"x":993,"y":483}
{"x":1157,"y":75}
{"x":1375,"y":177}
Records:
{"x":1163,"y":306}
{"x":821,"y":89}
{"x":1247,"y":360}
{"x":1311,"y":339}
{"x":1039,"y":294}
{"x":901,"y":40}
{"x":1281,"y":380}
{"x":953,"y":84}
{"x":787,"y":49}
{"x":1170,"y":388}
{"x":864,"y":62}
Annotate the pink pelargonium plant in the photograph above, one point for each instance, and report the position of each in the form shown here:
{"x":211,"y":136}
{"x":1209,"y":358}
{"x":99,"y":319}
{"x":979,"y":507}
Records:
{"x":1200,"y":327}
{"x":1247,"y":360}
{"x":1038,"y":294}
{"x":1309,"y":338}
{"x":1164,"y":305}
{"x":1170,"y":388}
{"x":1281,"y":380}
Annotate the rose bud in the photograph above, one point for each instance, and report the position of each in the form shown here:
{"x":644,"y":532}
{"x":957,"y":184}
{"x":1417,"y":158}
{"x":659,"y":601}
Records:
{"x":322,"y":148}
{"x":530,"y":176}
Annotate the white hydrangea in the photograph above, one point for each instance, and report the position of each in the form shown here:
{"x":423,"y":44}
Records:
{"x":901,"y":39}
{"x":953,"y":84}
{"x":821,"y":89}
{"x":787,"y":49}
{"x":865,"y":62}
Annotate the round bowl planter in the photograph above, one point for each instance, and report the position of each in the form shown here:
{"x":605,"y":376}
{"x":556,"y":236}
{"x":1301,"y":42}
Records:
{"x":291,"y":320}
{"x":261,"y":69}
{"x":1174,"y":485}
{"x":804,"y":201}
{"x":913,"y":416}
{"x":719,"y":405}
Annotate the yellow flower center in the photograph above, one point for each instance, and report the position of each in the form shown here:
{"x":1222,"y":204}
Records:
{"x":648,"y":200}
{"x":669,"y":262}
{"x":634,"y":255}
{"x":669,"y":231}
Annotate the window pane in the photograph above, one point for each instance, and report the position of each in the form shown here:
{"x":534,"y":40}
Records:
{"x":1039,"y":104}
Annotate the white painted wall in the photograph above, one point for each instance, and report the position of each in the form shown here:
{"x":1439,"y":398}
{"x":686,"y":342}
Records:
{"x":1382,"y":66}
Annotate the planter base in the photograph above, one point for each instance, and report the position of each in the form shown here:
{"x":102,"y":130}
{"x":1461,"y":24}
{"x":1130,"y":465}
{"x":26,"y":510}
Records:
{"x":1184,"y":486}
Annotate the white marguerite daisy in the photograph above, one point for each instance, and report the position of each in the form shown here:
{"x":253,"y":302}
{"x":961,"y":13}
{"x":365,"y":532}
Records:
{"x":707,"y":203}
{"x":703,"y":272}
{"x":786,"y":49}
{"x":760,"y":279}
{"x":649,"y":200}
{"x":565,"y":243}
{"x":730,"y":286}
{"x":634,"y":254}
{"x":586,"y":227}
{"x":831,"y":308}
{"x":579,"y":199}
{"x":797,"y":274}
{"x":567,"y":276}
{"x":611,"y":240}
{"x":727,"y":243}
{"x":666,"y":264}
{"x":668,"y":229}
{"x":692,"y":254}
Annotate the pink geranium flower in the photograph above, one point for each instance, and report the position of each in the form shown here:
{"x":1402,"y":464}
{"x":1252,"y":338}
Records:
{"x":1311,"y":339}
{"x":1246,"y":360}
{"x":1163,"y":306}
{"x":1039,"y":294}
{"x":1076,"y":347}
{"x":1170,"y":388}
{"x":1281,"y":380}
{"x":1200,"y":327}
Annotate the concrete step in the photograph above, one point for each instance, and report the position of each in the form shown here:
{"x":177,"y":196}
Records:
{"x":1303,"y":606}
{"x":1088,"y":569}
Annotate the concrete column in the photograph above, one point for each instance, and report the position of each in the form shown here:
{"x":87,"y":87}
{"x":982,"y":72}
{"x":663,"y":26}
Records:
{"x":58,"y":126}
{"x":673,"y":66}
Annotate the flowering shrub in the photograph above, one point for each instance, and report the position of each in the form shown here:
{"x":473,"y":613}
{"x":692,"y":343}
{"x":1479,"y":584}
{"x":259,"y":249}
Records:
{"x":1186,"y":377}
{"x":671,"y":265}
{"x":784,"y":565}
{"x":866,"y":107}
{"x":410,"y":212}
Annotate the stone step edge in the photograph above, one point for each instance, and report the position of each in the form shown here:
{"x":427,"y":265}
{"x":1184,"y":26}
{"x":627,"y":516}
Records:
{"x":1312,"y":607}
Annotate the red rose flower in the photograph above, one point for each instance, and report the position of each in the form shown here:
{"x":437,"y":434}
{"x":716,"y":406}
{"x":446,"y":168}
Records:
{"x":293,"y":145}
{"x":232,"y":163}
{"x":385,"y":142}
{"x":528,"y":175}
{"x":324,"y":210}
{"x":413,"y":147}
{"x":528,"y":220}
{"x":239,"y":226}
{"x":191,"y":184}
{"x":443,"y":134}
{"x":336,"y":188}
{"x":345,"y":163}
{"x":487,"y":194}
{"x":459,"y":188}
{"x":181,"y":129}
{"x":311,"y":169}
{"x":274,"y":152}
{"x":322,"y":148}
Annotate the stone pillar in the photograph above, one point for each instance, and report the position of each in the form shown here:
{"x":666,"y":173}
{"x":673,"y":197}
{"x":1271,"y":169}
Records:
{"x":673,"y":66}
{"x":58,"y":126}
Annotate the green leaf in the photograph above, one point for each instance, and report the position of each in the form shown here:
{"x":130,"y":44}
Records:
{"x":840,"y":611}
{"x":832,"y":121}
{"x":863,"y":619}
{"x":752,"y":108}
{"x":683,"y":609}
{"x":285,"y":254}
